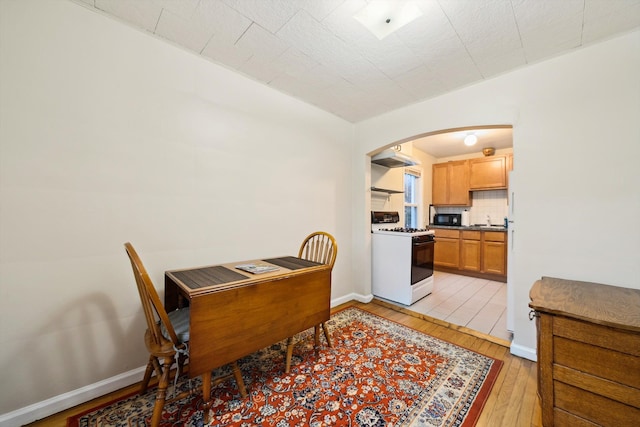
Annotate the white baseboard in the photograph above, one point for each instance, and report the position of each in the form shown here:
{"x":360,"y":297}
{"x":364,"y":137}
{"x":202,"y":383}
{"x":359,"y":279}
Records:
{"x":525,"y":352}
{"x":350,"y":297}
{"x":68,"y":400}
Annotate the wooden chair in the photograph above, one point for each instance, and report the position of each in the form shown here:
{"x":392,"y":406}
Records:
{"x":166,"y":339}
{"x":319,"y":247}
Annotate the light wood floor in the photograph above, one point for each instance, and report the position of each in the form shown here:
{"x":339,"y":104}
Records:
{"x":512,"y":403}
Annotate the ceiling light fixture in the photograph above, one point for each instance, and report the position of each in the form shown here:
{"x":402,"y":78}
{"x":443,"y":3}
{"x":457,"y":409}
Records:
{"x":470,"y":139}
{"x":383,"y":17}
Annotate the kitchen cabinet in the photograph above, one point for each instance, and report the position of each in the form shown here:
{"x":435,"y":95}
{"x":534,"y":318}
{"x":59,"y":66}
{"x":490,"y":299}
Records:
{"x":450,"y":184}
{"x":471,"y":252}
{"x":488,"y":173}
{"x":588,"y":353}
{"x":470,"y":249}
{"x":447,"y":248}
{"x":494,"y":251}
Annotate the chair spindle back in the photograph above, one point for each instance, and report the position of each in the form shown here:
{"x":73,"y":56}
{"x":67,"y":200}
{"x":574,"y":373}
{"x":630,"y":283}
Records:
{"x":151,"y":304}
{"x":319,"y":247}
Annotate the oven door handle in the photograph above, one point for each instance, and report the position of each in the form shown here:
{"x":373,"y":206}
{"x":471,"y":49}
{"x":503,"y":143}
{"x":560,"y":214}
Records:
{"x":424,"y":243}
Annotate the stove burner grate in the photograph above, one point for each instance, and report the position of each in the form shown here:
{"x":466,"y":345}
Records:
{"x":404,"y":230}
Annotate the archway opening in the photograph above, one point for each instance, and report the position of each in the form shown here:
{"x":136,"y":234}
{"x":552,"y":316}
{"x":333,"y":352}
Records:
{"x":468,"y":290}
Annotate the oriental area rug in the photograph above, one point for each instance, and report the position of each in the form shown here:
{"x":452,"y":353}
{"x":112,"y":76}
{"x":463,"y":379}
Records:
{"x":378,"y":373}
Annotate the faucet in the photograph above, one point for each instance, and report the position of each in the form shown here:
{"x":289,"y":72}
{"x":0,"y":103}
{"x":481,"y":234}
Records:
{"x":488,"y":220}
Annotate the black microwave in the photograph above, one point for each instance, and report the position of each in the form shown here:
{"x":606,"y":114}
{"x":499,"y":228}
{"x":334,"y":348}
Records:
{"x":447,"y":219}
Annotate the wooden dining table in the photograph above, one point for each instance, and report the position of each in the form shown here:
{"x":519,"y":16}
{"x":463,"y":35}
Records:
{"x":234,"y":313}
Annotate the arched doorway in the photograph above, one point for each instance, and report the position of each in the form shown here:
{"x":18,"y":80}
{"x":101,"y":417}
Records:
{"x":463,"y":294}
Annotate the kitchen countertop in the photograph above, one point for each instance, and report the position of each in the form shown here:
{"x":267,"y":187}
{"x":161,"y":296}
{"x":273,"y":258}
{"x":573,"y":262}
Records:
{"x":471,"y":227}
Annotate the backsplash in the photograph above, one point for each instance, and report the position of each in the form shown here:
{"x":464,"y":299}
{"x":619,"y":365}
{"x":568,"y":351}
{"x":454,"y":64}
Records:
{"x":493,"y":203}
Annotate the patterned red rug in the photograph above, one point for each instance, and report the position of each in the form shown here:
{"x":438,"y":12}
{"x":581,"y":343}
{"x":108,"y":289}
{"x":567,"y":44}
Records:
{"x":379,"y":373}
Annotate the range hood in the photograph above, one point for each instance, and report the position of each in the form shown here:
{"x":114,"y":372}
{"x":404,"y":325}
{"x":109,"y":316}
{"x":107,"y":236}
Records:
{"x":393,"y":159}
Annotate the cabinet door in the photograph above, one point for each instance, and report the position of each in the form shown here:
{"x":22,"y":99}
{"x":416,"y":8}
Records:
{"x":487,"y":173}
{"x":470,"y":255}
{"x":440,"y":184}
{"x":494,"y":257}
{"x":447,"y":252}
{"x":495,"y":236}
{"x":459,"y":183}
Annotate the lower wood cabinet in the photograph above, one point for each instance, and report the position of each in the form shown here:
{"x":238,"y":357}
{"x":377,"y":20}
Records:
{"x":447,"y":249}
{"x":494,"y":249}
{"x":472,"y":252}
{"x":588,"y":353}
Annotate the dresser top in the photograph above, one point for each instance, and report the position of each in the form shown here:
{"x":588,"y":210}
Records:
{"x":603,"y":304}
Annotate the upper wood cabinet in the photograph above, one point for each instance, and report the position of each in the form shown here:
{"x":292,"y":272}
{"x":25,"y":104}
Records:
{"x":451,"y":184}
{"x":440,"y":184}
{"x":488,"y":173}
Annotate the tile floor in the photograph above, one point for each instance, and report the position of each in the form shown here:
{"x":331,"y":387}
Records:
{"x":478,"y":304}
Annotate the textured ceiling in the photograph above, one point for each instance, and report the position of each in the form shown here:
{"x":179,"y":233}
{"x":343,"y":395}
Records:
{"x":316,"y":51}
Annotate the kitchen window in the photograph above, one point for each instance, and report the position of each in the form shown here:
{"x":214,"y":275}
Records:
{"x":412,"y":198}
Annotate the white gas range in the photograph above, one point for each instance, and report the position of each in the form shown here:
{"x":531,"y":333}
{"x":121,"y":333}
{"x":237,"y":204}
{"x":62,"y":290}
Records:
{"x":402,"y":259}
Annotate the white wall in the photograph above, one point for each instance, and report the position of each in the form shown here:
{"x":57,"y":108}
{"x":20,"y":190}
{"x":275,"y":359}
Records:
{"x":390,"y":179}
{"x":427,"y":162}
{"x":576,"y":134}
{"x":108,"y":135}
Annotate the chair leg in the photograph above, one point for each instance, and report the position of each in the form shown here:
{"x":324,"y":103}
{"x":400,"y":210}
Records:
{"x":181,"y":361}
{"x":326,"y":334}
{"x":287,"y":364}
{"x":239,"y":381}
{"x":147,"y":375}
{"x":161,"y":395}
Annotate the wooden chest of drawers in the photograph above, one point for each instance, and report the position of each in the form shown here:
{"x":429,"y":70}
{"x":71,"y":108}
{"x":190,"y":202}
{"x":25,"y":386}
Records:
{"x":588,"y":353}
